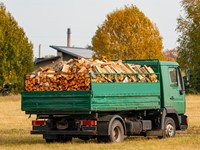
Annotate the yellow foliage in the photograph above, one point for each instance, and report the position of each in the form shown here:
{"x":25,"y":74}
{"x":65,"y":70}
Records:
{"x":127,"y":34}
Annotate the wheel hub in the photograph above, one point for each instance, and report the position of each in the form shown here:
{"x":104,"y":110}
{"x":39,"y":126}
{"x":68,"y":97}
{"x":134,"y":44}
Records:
{"x":116,"y":134}
{"x":169,"y":130}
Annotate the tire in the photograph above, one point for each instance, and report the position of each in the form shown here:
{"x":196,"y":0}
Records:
{"x":103,"y":139}
{"x":60,"y":139}
{"x":49,"y":140}
{"x":63,"y":139}
{"x":116,"y":132}
{"x":84,"y":138}
{"x":170,"y":128}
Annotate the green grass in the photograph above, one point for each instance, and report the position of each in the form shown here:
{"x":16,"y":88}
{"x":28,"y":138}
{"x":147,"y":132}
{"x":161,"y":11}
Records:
{"x":15,"y":132}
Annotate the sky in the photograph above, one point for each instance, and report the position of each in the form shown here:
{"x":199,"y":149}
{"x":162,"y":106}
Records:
{"x":45,"y":22}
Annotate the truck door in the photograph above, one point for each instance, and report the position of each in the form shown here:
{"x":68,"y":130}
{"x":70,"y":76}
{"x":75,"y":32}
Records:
{"x":176,"y":91}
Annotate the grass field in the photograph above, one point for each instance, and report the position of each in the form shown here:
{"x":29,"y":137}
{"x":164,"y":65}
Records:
{"x":15,"y":127}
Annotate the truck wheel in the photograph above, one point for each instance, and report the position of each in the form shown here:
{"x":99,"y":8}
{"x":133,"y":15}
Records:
{"x":63,"y":138}
{"x":170,"y":128}
{"x":59,"y":139}
{"x":102,"y":139}
{"x":116,"y":132}
{"x":49,"y":140}
{"x":84,"y":138}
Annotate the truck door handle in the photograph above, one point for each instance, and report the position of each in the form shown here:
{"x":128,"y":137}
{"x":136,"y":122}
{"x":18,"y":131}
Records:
{"x":172,"y":97}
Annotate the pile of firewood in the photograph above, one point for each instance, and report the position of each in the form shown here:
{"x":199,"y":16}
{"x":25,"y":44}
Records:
{"x":76,"y":74}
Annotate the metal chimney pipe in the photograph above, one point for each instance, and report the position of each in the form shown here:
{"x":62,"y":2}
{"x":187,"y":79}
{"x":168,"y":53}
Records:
{"x":39,"y":50}
{"x":68,"y":37}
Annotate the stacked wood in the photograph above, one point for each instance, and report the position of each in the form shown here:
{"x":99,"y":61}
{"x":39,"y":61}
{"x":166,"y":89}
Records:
{"x":75,"y":75}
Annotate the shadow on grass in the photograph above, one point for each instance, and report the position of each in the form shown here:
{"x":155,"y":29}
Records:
{"x":22,"y":137}
{"x":9,"y":138}
{"x":20,"y":140}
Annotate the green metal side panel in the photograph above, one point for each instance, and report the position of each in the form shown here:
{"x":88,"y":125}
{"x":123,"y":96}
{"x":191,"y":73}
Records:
{"x":56,"y":102}
{"x":125,"y":96}
{"x":102,"y":97}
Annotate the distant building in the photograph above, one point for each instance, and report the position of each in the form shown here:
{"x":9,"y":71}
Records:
{"x":42,"y":62}
{"x":67,"y":53}
{"x":64,"y":53}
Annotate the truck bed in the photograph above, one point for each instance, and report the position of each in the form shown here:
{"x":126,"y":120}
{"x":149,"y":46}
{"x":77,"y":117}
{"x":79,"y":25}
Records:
{"x":101,"y":97}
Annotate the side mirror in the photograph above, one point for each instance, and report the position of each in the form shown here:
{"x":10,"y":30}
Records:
{"x":187,"y":74}
{"x":180,"y":82}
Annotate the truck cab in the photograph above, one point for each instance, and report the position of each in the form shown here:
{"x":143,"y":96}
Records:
{"x":173,"y":90}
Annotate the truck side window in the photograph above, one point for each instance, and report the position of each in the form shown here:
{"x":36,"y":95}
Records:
{"x":173,"y":76}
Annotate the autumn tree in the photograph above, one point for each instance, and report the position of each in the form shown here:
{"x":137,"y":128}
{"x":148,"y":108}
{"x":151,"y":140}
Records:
{"x":189,"y":40}
{"x":171,"y":54}
{"x":16,"y":55}
{"x":127,"y":34}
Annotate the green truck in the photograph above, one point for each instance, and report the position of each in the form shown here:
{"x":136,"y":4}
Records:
{"x":110,"y":111}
